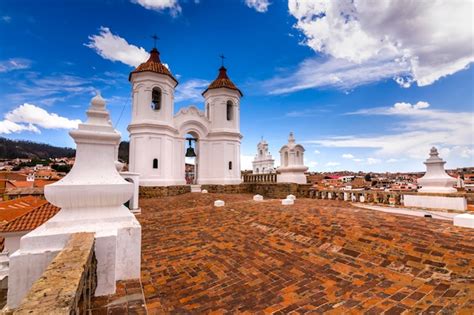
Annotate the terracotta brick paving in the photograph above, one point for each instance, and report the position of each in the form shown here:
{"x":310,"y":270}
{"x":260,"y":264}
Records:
{"x":128,"y":299}
{"x":316,"y":256}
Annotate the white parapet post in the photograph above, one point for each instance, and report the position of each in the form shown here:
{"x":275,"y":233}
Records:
{"x":436,"y":184}
{"x":91,"y":199}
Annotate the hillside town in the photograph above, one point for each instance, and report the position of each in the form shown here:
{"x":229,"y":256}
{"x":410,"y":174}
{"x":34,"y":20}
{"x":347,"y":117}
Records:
{"x":136,"y":175}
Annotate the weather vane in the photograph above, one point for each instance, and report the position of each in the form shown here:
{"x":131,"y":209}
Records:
{"x":222,"y":57}
{"x":155,"y":38}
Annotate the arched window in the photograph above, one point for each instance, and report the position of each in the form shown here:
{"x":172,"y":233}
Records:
{"x":229,"y":110}
{"x":155,"y":163}
{"x":261,"y":152}
{"x":230,"y":165}
{"x":285,"y":160}
{"x":207,"y":111}
{"x":156,"y":98}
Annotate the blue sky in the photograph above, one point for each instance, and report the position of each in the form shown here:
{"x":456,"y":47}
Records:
{"x":360,"y":93}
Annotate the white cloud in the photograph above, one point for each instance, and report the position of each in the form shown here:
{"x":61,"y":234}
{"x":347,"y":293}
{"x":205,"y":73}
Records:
{"x":420,"y":129}
{"x":358,"y":160}
{"x":347,"y":156}
{"x":115,"y":48}
{"x":372,"y":161}
{"x":259,"y":5}
{"x":432,"y":39}
{"x":191,"y":90}
{"x":14,"y":64}
{"x":6,"y":18}
{"x":160,"y":5}
{"x":332,"y":164}
{"x":51,"y":89}
{"x":28,"y":117}
{"x":316,"y":152}
{"x":7,"y":127}
{"x":333,"y":72}
{"x":309,"y":112}
{"x":392,"y":160}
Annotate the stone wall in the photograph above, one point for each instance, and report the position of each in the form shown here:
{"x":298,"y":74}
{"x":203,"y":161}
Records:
{"x":269,"y":190}
{"x":69,"y":282}
{"x":163,"y":191}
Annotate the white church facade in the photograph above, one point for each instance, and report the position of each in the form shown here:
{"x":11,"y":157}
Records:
{"x":158,"y":138}
{"x":263,"y":162}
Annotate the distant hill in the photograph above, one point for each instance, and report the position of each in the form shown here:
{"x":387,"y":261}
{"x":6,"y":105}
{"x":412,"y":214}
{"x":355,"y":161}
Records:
{"x":11,"y":149}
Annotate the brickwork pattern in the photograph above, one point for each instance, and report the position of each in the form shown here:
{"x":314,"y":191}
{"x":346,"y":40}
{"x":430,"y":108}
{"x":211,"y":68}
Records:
{"x":68,"y":283}
{"x":128,"y":299}
{"x":163,"y":191}
{"x":316,"y":256}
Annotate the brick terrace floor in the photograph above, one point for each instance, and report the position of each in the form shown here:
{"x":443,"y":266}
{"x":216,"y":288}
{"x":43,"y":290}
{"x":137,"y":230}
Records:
{"x":316,"y":256}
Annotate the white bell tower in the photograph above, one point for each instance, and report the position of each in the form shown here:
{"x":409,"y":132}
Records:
{"x":152,"y":131}
{"x":222,"y":109}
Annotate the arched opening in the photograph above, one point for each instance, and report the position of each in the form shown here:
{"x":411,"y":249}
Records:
{"x":208,"y":114}
{"x":191,"y":158}
{"x":230,"y":110}
{"x":285,"y":158}
{"x":156,"y":98}
{"x":230,"y":165}
{"x":155,"y":163}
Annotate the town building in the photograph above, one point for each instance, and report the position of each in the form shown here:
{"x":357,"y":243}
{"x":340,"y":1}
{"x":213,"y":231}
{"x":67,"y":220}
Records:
{"x":263,"y":162}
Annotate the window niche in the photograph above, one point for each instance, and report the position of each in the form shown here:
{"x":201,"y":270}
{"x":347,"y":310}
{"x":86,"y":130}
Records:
{"x":230,"y":165}
{"x":156,"y":97}
{"x":230,"y":110}
{"x":155,"y":163}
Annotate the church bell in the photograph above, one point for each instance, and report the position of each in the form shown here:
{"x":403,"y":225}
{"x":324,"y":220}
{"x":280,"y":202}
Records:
{"x":190,"y":151}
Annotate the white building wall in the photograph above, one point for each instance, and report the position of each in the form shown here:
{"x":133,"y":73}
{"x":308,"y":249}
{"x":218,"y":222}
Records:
{"x":162,"y":135}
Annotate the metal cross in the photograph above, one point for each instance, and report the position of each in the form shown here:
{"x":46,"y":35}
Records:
{"x":155,"y":38}
{"x":222,"y":57}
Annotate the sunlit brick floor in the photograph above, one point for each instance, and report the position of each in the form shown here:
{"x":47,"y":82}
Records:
{"x":315,"y":256}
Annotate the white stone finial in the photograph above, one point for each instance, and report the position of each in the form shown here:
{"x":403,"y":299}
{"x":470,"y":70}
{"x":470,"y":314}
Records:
{"x":435,"y":179}
{"x":97,"y":114}
{"x":91,"y":198}
{"x":291,"y":137}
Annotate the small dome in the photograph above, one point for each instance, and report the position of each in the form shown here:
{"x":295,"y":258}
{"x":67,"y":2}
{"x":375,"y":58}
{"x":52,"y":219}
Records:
{"x":222,"y":81}
{"x":153,"y":64}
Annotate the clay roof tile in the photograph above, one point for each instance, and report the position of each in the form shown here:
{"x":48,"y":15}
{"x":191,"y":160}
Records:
{"x":222,"y":81}
{"x":153,"y":64}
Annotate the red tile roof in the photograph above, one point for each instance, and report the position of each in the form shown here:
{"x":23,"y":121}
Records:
{"x":153,"y":64}
{"x":11,"y":209}
{"x":222,"y":81}
{"x":22,"y":183}
{"x":31,"y":220}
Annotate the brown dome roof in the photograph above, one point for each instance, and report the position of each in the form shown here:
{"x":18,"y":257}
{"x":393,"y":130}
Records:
{"x":222,"y":81}
{"x":153,"y":64}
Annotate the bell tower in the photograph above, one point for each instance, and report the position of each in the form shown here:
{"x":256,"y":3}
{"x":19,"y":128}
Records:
{"x":152,"y":130}
{"x":222,"y":109}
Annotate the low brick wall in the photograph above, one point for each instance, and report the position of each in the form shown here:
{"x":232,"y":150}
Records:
{"x":69,"y":282}
{"x":269,"y":190}
{"x":163,"y":191}
{"x":227,"y":189}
